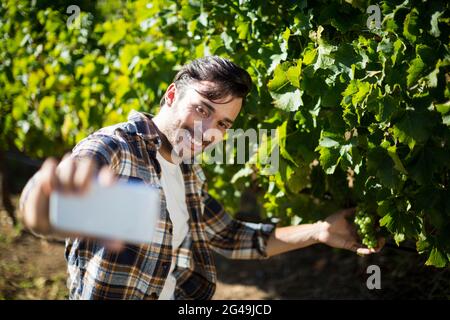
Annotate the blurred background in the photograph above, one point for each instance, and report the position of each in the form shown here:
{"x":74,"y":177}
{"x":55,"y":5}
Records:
{"x":68,"y":68}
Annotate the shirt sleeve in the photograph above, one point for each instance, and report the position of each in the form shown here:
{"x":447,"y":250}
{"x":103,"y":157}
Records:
{"x":233,"y":238}
{"x":104,"y":149}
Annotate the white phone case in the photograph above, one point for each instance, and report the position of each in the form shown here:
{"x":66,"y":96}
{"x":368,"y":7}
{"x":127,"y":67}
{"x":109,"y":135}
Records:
{"x":124,"y":211}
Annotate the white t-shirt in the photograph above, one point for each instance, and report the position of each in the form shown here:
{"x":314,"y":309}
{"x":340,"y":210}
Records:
{"x":172,"y":183}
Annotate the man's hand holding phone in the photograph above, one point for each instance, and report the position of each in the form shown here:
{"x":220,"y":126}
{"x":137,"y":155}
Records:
{"x":68,"y":200}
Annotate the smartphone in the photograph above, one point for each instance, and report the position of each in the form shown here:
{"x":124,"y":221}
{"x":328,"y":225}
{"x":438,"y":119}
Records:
{"x":124,"y":211}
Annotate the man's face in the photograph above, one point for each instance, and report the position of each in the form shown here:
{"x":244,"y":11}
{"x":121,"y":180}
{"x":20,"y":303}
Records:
{"x":193,"y":122}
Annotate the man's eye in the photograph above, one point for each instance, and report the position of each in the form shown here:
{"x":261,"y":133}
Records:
{"x":202,"y":111}
{"x":223,"y":125}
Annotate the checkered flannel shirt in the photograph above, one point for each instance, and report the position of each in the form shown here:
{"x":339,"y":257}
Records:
{"x":139,"y":271}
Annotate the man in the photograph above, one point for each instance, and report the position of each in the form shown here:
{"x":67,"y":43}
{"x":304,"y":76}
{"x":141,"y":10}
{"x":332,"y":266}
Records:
{"x":178,"y":264}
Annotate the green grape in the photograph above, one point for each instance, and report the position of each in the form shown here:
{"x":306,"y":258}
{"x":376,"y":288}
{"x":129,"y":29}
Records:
{"x":366,"y":228}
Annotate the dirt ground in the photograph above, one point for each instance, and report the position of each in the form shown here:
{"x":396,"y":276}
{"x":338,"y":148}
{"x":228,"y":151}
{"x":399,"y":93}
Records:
{"x":32,"y":268}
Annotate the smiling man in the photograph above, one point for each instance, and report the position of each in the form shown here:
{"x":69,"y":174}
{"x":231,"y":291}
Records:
{"x":196,"y":110}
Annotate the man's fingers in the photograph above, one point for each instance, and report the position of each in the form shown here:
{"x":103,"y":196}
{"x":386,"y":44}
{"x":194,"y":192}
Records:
{"x":106,"y":177}
{"x":352,"y":245}
{"x":48,"y":176}
{"x":65,"y":172}
{"x":35,"y":215}
{"x":83,"y":175}
{"x":364,"y":251}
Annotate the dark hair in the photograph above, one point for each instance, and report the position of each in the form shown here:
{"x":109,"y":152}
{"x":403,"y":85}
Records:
{"x":228,"y":78}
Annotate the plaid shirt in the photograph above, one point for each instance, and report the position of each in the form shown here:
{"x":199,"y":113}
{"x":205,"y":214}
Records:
{"x":139,"y":271}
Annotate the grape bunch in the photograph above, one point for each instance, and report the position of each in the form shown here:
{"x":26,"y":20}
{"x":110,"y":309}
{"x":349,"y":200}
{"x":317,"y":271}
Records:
{"x":366,"y":228}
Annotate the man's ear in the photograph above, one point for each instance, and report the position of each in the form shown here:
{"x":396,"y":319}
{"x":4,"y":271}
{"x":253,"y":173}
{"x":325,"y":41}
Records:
{"x":170,"y":94}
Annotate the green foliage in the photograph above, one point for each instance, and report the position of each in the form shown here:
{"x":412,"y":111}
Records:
{"x":362,"y":115}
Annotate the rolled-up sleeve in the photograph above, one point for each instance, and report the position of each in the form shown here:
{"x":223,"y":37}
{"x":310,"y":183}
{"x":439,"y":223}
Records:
{"x":233,"y":238}
{"x":105,"y":150}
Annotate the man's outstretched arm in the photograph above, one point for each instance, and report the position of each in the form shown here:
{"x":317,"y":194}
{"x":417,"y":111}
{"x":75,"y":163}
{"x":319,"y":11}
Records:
{"x":335,"y":231}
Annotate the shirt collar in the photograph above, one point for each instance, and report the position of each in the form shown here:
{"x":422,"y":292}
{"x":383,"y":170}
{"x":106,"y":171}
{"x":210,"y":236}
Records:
{"x":145,"y":127}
